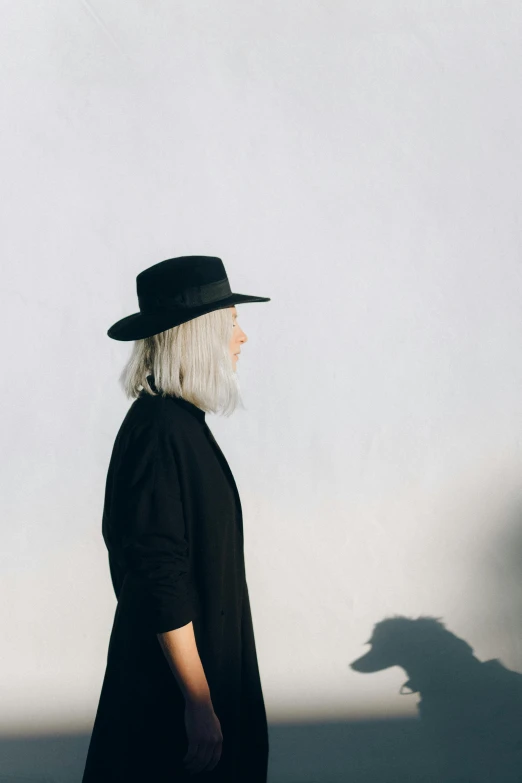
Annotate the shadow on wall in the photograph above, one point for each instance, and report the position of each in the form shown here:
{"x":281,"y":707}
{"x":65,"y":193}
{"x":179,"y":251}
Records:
{"x":470,"y":711}
{"x":469,"y":731}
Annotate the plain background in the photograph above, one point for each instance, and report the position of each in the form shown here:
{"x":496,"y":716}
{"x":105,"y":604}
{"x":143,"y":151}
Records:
{"x":359,"y":163}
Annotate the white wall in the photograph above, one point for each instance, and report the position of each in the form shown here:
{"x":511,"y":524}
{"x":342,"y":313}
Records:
{"x":358,"y":162}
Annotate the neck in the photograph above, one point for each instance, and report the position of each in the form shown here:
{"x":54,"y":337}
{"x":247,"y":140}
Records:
{"x":440,"y":674}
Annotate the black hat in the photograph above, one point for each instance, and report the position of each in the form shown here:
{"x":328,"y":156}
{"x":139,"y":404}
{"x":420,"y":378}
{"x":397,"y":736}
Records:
{"x":175,"y":291}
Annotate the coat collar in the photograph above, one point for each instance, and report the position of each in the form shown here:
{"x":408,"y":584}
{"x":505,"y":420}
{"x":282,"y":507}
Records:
{"x":189,"y":406}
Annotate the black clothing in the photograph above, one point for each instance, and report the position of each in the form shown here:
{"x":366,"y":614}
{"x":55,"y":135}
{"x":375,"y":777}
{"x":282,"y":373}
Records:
{"x":173,"y":527}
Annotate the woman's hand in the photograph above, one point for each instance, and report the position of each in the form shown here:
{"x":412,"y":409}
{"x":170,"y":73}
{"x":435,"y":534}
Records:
{"x":202,"y":725}
{"x":205,"y":739}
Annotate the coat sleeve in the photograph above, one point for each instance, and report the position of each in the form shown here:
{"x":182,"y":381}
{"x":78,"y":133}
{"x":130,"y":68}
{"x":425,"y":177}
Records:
{"x":151,"y":524}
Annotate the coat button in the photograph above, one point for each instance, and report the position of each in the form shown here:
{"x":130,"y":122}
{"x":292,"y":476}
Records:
{"x":222,"y":612}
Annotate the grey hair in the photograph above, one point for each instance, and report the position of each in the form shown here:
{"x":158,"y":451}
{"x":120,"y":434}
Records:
{"x":191,"y":360}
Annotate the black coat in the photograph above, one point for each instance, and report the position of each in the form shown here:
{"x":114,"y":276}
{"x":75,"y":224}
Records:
{"x":173,"y":527}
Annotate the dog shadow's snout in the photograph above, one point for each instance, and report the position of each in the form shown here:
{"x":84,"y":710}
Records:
{"x":361,"y":664}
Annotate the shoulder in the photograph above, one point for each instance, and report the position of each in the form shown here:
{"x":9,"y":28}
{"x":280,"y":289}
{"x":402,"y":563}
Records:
{"x":158,"y":411}
{"x":152,"y":431}
{"x":152,"y":421}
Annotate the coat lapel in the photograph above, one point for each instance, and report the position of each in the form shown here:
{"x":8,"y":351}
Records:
{"x":228,"y":472}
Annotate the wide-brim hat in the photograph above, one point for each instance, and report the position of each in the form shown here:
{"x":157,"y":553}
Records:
{"x":177,"y":290}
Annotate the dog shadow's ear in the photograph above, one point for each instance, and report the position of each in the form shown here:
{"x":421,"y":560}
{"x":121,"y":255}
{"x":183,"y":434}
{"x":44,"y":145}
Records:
{"x":407,"y":684}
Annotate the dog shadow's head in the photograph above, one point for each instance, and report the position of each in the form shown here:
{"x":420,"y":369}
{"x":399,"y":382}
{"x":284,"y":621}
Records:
{"x":410,"y":643}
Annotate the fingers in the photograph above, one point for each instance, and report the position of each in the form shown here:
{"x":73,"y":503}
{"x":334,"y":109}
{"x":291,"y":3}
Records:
{"x":202,"y":757}
{"x":191,"y":757}
{"x":215,"y":757}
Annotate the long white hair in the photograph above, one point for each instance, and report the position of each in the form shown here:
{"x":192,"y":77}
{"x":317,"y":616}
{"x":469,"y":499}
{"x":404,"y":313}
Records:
{"x":191,"y":360}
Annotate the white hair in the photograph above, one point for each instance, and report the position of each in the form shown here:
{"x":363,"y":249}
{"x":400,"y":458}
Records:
{"x":191,"y":360}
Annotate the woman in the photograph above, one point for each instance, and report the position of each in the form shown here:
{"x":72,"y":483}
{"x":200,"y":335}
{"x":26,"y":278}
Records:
{"x":181,"y":693}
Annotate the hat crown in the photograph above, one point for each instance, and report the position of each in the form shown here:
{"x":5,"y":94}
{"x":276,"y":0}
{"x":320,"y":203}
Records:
{"x":186,"y":281}
{"x":175,"y":275}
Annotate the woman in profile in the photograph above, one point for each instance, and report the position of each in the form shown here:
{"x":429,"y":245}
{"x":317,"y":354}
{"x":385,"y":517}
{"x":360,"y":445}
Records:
{"x":181,"y":693}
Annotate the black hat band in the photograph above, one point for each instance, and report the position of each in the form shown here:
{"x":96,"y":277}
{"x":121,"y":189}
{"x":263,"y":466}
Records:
{"x":190,"y":297}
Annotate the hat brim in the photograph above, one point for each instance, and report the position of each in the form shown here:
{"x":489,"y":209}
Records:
{"x":140,"y":325}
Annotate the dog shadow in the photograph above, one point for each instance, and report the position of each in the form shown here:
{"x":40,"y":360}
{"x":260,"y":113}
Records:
{"x":470,"y":710}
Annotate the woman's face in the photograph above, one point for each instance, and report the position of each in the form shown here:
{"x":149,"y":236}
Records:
{"x":238,"y":336}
